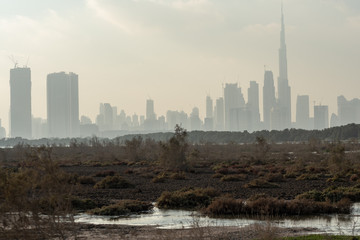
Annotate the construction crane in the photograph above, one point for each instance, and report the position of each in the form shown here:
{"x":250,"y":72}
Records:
{"x":14,"y":61}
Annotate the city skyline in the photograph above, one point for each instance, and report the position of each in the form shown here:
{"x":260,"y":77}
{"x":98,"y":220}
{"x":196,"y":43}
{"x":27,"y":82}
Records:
{"x":197,"y":81}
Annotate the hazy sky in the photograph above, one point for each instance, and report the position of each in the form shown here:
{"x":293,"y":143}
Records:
{"x":178,"y":51}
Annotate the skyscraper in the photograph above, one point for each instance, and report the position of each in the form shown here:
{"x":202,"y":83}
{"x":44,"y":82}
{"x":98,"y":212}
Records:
{"x":321,"y":117}
{"x":2,"y":131}
{"x":151,"y":123}
{"x":209,"y":107}
{"x":348,"y":111}
{"x":209,"y":119}
{"x":63,"y":104}
{"x":302,"y":112}
{"x":219,"y":114}
{"x":269,"y":100}
{"x":284,"y":91}
{"x":20,"y":102}
{"x":150,"y":113}
{"x":195,"y":122}
{"x":233,"y":100}
{"x":253,"y":106}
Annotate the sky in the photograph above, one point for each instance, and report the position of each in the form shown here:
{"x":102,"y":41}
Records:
{"x":177,"y":52}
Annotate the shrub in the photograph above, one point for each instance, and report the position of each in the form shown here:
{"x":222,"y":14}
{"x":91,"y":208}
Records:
{"x":178,"y":176}
{"x":133,"y":148}
{"x":312,"y":195}
{"x":226,"y":206}
{"x":335,"y":178}
{"x":187,"y":198}
{"x":260,"y":183}
{"x":83,"y":204}
{"x":274,"y":177}
{"x":36,"y":199}
{"x":129,"y":171}
{"x":113,"y":182}
{"x":332,"y":194}
{"x":123,"y":207}
{"x":160,"y":178}
{"x":233,"y":178}
{"x":105,"y":173}
{"x":354,"y":177}
{"x":308,"y":176}
{"x":268,"y":206}
{"x":86,"y":180}
{"x":217,"y":175}
{"x":173,"y":155}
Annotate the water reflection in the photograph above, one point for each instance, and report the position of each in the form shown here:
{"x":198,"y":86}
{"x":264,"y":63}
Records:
{"x":331,"y":224}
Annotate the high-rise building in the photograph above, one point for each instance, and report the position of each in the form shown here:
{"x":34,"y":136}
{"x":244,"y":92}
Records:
{"x":233,"y":99}
{"x":176,"y":117}
{"x":2,"y":131}
{"x":334,"y":120}
{"x":269,"y":100}
{"x":348,"y":111}
{"x":195,"y":122}
{"x":151,"y":123}
{"x":63,"y":105}
{"x":107,"y":110}
{"x":20,"y":102}
{"x":321,"y":117}
{"x":39,"y":128}
{"x":302,"y":112}
{"x":219,"y":114}
{"x":150,"y":113}
{"x":209,"y":107}
{"x":284,"y":91}
{"x":209,"y":119}
{"x":253,"y":107}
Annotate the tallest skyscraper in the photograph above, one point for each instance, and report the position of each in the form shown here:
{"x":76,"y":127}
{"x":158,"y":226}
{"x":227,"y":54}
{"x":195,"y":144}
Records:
{"x":284,"y":91}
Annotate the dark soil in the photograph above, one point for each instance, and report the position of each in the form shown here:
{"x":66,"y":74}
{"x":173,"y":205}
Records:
{"x":144,"y":189}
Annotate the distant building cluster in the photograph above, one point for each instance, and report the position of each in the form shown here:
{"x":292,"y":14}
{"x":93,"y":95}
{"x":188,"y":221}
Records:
{"x":230,"y":112}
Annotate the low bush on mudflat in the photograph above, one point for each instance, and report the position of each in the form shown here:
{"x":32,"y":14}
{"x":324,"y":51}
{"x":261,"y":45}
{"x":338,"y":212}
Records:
{"x":160,"y":178}
{"x":187,"y":198}
{"x":123,"y":207}
{"x":105,"y":173}
{"x":83,"y":204}
{"x":86,"y":180}
{"x":261,"y":183}
{"x":268,"y":206}
{"x":233,"y":178}
{"x":274,"y":177}
{"x":333,"y":194}
{"x":178,"y":176}
{"x":113,"y":182}
{"x":308,"y":176}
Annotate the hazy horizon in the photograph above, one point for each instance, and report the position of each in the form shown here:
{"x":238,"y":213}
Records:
{"x":177,"y":52}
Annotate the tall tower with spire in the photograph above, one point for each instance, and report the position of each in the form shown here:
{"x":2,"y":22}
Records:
{"x":284,"y":91}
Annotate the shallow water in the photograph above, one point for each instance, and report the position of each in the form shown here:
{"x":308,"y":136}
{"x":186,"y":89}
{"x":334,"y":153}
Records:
{"x":330,"y":224}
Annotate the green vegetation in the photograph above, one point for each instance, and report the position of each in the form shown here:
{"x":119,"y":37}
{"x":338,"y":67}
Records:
{"x":333,"y":194}
{"x":261,"y":183}
{"x":86,"y":180}
{"x":233,"y":178}
{"x":268,"y":206}
{"x":83,"y":204}
{"x":123,"y":207}
{"x":105,"y":173}
{"x":187,"y":198}
{"x":160,"y":178}
{"x":173,"y":154}
{"x":113,"y":182}
{"x":35,"y":199}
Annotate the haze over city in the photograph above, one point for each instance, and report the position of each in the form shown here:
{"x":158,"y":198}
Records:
{"x":178,"y":52}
